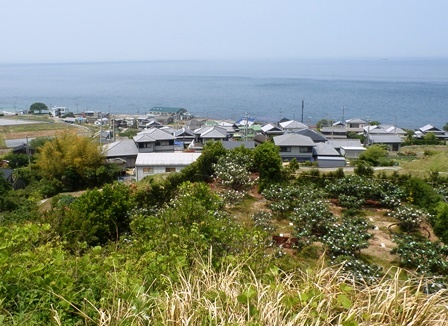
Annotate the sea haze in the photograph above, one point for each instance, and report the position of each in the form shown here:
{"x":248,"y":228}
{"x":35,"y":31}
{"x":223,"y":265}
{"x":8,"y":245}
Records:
{"x":410,"y":92}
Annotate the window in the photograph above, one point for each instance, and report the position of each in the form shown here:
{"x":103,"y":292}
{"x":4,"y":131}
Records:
{"x":305,"y":149}
{"x":148,"y":170}
{"x":285,"y":149}
{"x":170,"y":169}
{"x":145,"y":145}
{"x":164,"y":142}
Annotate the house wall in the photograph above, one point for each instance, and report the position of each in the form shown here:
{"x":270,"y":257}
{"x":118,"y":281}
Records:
{"x":140,"y":172}
{"x":145,"y":147}
{"x":167,"y":148}
{"x":351,"y":153}
{"x":130,"y":160}
{"x":297,"y":154}
{"x":331,"y":162}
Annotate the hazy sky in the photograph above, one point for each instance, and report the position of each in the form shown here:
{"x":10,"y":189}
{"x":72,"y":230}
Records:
{"x":112,"y":30}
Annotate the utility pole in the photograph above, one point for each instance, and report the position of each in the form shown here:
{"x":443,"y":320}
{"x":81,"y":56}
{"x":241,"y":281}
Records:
{"x":303,"y":105}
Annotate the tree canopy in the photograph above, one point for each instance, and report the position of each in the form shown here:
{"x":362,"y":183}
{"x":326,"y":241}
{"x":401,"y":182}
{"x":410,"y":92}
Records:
{"x":38,"y":106}
{"x":71,"y":158}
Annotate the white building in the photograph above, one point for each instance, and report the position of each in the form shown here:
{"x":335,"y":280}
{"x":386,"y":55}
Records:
{"x":154,"y":163}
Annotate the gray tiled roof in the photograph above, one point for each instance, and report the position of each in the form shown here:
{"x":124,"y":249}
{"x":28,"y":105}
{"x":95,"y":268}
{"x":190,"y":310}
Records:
{"x":152,"y":135}
{"x":293,"y":140}
{"x":124,"y":147}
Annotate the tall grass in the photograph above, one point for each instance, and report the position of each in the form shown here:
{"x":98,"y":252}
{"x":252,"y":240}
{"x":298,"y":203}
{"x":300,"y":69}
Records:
{"x":234,"y":295}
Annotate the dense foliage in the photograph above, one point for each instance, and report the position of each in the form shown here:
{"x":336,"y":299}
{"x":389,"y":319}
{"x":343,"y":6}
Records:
{"x":198,"y":243}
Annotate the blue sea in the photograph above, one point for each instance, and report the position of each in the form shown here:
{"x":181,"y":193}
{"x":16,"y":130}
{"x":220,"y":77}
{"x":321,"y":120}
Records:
{"x":409,"y":92}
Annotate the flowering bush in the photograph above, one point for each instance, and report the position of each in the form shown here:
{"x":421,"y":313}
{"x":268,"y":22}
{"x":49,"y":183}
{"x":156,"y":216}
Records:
{"x":285,"y":198}
{"x":312,"y":220}
{"x":361,"y":271}
{"x":263,"y":221}
{"x":233,"y":173}
{"x":409,"y":217}
{"x":347,"y":238}
{"x":428,"y":258}
{"x":350,"y":201}
{"x":362,"y":188}
{"x":231,"y":197}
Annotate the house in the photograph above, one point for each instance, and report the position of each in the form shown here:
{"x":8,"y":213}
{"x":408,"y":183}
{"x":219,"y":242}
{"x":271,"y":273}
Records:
{"x":154,"y":140}
{"x":58,"y":111}
{"x":125,"y":149}
{"x":295,"y":146}
{"x":194,"y":124}
{"x":216,"y":133}
{"x":148,"y":122}
{"x":230,"y":144}
{"x":384,"y":130}
{"x":155,"y":163}
{"x":327,"y":157}
{"x":231,"y":128}
{"x":355,"y":125}
{"x":334,"y":132}
{"x":439,"y":133}
{"x":184,"y":135}
{"x":291,"y":126}
{"x":316,"y":136}
{"x":393,"y":142}
{"x":349,"y":148}
{"x":272,"y":130}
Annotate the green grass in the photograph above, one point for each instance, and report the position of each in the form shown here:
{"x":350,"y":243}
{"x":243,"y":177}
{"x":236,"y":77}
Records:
{"x":2,"y":141}
{"x":436,"y":162}
{"x":33,"y":127}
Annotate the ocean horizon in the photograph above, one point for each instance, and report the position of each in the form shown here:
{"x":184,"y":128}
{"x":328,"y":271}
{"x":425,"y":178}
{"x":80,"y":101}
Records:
{"x":408,"y":92}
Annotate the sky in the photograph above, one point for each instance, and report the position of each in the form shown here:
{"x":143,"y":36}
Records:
{"x":53,"y":31}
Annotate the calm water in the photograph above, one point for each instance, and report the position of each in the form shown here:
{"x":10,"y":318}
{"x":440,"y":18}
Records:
{"x":410,"y":92}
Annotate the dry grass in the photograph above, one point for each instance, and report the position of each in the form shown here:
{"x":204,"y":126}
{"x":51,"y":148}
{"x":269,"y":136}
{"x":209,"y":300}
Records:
{"x":234,"y":295}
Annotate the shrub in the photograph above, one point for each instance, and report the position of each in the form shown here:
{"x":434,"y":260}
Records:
{"x":409,"y":217}
{"x":312,"y":220}
{"x":346,"y":238}
{"x":364,"y":170}
{"x":421,"y":194}
{"x":96,"y":217}
{"x":426,"y":257}
{"x":232,"y":171}
{"x":360,"y":270}
{"x":441,"y":222}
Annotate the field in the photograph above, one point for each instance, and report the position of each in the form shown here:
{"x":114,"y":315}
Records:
{"x":21,"y":127}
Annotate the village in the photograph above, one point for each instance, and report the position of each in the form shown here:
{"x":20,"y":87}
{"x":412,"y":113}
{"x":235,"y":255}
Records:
{"x":167,"y":139}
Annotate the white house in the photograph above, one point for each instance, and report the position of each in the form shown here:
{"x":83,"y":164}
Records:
{"x":154,"y":163}
{"x":58,"y":111}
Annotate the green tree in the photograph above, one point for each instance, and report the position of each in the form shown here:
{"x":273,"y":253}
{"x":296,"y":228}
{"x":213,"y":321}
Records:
{"x":38,"y":142}
{"x":96,"y":217}
{"x":5,"y":201}
{"x":324,"y":123}
{"x":204,"y":165}
{"x":268,"y":163}
{"x":16,"y":160}
{"x":430,"y":139}
{"x":421,"y":194}
{"x":373,"y":155}
{"x":38,"y":107}
{"x":445,"y":127}
{"x":441,"y":221}
{"x":71,"y":158}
